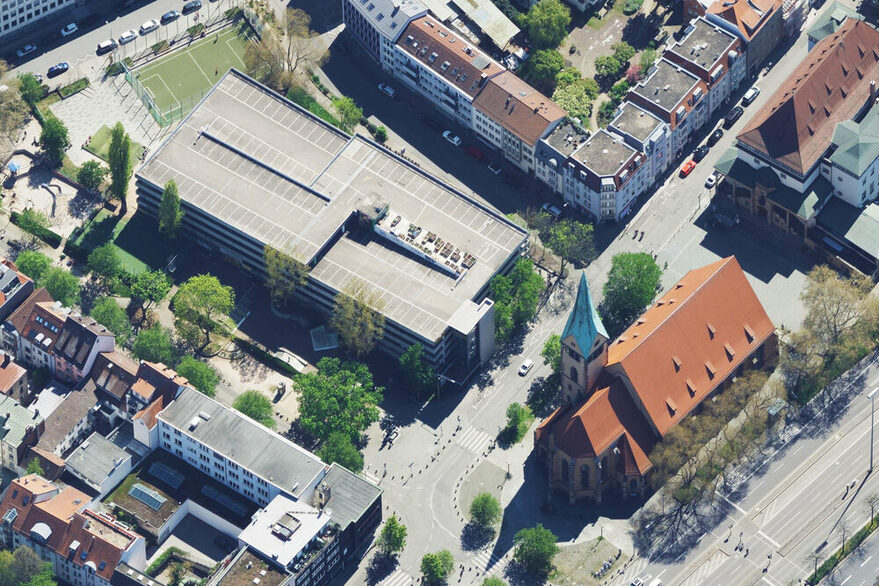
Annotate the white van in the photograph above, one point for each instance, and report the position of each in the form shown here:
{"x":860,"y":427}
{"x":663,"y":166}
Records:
{"x":656,"y":582}
{"x":749,"y":97}
{"x":106,"y":46}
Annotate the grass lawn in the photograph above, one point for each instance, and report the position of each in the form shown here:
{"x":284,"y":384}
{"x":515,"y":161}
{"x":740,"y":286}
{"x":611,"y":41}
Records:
{"x":182,"y":78}
{"x":137,"y":243}
{"x":99,"y":145}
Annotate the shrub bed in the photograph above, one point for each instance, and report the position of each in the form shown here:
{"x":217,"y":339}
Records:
{"x":51,"y":238}
{"x":301,"y":97}
{"x":77,"y":86}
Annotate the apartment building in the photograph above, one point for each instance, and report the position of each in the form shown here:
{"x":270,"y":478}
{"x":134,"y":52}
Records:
{"x":758,"y":23}
{"x":377,"y":24}
{"x":79,"y":343}
{"x":15,"y":287}
{"x":30,"y":332}
{"x":13,"y":380}
{"x":512,"y":117}
{"x":20,"y":428}
{"x":435,"y":62}
{"x":235,"y":450}
{"x":354,"y":212}
{"x":84,"y":547}
{"x":17,"y":14}
{"x":646,"y":133}
{"x":675,"y":96}
{"x":713,"y":55}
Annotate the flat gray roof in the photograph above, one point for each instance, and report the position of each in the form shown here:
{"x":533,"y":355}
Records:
{"x":666,"y":85}
{"x":243,"y":441}
{"x":704,"y":44}
{"x":389,"y":17}
{"x":635,"y":121}
{"x":567,"y":138}
{"x":96,"y":458}
{"x":350,"y":495}
{"x":261,"y":164}
{"x":604,"y":154}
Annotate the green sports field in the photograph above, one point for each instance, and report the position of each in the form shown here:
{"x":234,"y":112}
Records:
{"x":184,"y":76}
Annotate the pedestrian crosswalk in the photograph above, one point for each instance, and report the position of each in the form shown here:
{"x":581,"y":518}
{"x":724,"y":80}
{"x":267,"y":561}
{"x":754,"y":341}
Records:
{"x":474,"y":440}
{"x":708,"y":567}
{"x":490,"y":561}
{"x":398,"y":578}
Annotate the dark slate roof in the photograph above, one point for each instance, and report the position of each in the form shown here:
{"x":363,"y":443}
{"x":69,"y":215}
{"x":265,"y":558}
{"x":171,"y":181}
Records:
{"x":350,"y":495}
{"x":858,"y":227}
{"x":584,"y":323}
{"x":77,"y":339}
{"x":803,"y":204}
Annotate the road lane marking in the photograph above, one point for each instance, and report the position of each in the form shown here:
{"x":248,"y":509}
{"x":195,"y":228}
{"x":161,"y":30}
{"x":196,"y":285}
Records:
{"x":846,"y":580}
{"x":769,"y":539}
{"x":866,"y":560}
{"x":738,"y":508}
{"x":817,"y":494}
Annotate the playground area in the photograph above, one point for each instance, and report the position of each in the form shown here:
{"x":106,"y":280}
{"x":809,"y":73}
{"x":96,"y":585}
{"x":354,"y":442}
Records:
{"x":176,"y":83}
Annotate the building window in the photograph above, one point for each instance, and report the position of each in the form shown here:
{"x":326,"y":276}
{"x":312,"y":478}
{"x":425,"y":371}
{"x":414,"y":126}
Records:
{"x":584,"y":476}
{"x":564,"y":464}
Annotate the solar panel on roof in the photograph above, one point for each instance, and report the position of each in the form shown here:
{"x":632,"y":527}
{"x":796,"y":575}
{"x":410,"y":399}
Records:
{"x":167,"y":475}
{"x":224,"y":499}
{"x":147,"y":496}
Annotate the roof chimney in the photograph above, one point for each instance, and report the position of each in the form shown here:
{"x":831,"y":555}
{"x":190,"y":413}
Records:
{"x":872,"y":89}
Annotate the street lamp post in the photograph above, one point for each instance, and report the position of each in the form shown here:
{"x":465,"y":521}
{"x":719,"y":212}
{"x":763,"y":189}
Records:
{"x":872,"y":397}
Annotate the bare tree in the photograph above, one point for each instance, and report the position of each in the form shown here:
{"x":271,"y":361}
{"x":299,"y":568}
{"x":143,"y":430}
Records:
{"x":813,"y":557}
{"x":13,"y":109}
{"x":870,"y":503}
{"x":284,"y":51}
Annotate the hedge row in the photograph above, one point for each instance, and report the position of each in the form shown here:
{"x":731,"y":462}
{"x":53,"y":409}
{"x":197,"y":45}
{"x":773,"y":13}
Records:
{"x":51,"y":238}
{"x":837,"y":556}
{"x":154,"y":567}
{"x":77,"y":86}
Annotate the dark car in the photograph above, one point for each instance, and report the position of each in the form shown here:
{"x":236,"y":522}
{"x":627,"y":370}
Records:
{"x":169,"y":16}
{"x":715,"y":136}
{"x":56,"y":70}
{"x":193,"y":6}
{"x":700,"y":153}
{"x":733,"y":115}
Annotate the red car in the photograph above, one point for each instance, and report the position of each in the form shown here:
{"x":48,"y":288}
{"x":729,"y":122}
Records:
{"x":474,"y":152}
{"x":688,"y":168}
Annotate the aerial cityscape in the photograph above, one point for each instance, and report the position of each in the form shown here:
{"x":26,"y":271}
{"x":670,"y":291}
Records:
{"x":425,"y":292}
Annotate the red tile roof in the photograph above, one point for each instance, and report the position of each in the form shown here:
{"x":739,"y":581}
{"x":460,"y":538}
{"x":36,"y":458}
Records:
{"x":743,"y":15}
{"x":46,"y":320}
{"x":447,"y":54}
{"x":608,"y":418}
{"x":10,"y":373}
{"x":690,"y":340}
{"x":19,"y":317}
{"x":149,"y":414}
{"x":830,"y":85}
{"x":518,"y":107}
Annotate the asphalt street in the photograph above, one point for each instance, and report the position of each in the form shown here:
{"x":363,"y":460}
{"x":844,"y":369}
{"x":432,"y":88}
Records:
{"x":97,"y":22}
{"x":861,"y":568}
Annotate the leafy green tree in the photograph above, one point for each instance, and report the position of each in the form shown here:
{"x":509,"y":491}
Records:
{"x":631,"y":285}
{"x":104,"y":262}
{"x":415,"y":369}
{"x":25,"y":565}
{"x":576,"y":100}
{"x":552,"y":353}
{"x":202,"y":302}
{"x":61,"y":285}
{"x":177,"y":573}
{"x":33,"y":221}
{"x":200,"y":375}
{"x":392,"y":538}
{"x":516,"y":297}
{"x":567,"y":76}
{"x":170,"y":214}
{"x":30,"y":88}
{"x":606,"y":112}
{"x":493,"y":581}
{"x":485,"y":510}
{"x":119,"y":158}
{"x":358,"y":319}
{"x":436,"y":567}
{"x":623,"y":52}
{"x":519,"y":418}
{"x":34,"y":467}
{"x":535,"y":549}
{"x":381,"y":135}
{"x":648,"y":58}
{"x":44,"y":578}
{"x":339,"y":448}
{"x":33,"y":264}
{"x":283,"y":275}
{"x":107,"y":312}
{"x":543,"y":67}
{"x":155,"y":345}
{"x":547,"y":23}
{"x":607,"y":66}
{"x":338,"y":397}
{"x":149,"y":287}
{"x":619,"y":91}
{"x":256,"y":406}
{"x":348,"y":111}
{"x":91,"y":175}
{"x":572,"y":241}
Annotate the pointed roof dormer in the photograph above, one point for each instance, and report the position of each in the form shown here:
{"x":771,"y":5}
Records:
{"x":583,"y":323}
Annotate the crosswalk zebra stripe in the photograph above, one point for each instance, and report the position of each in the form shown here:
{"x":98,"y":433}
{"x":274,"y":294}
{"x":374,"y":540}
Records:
{"x":398,"y":578}
{"x":474,"y":440}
